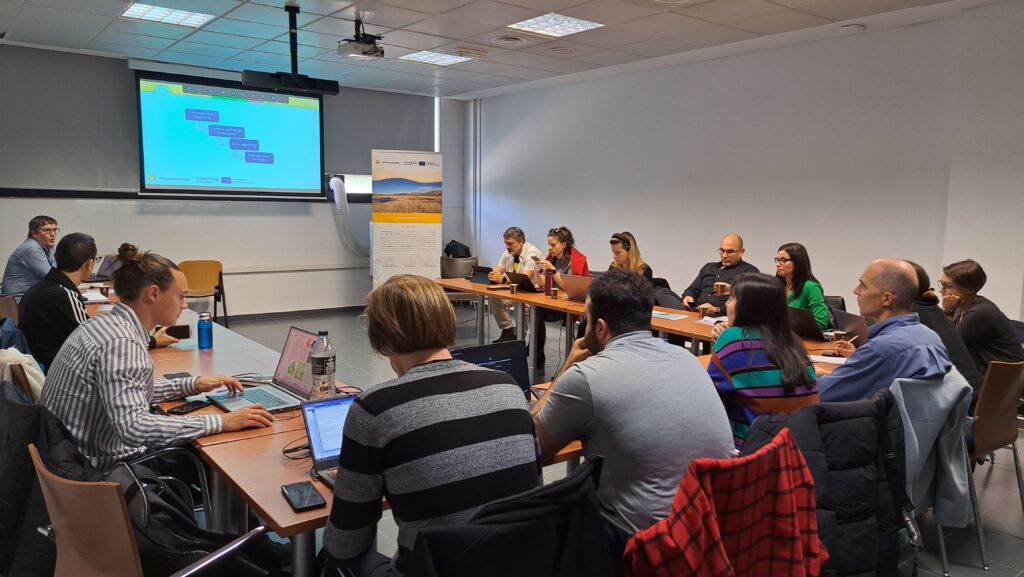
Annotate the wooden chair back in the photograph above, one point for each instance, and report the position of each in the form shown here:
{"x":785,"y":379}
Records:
{"x":996,"y":410}
{"x":21,"y":379}
{"x":9,"y":308}
{"x":90,"y":524}
{"x":201,"y":274}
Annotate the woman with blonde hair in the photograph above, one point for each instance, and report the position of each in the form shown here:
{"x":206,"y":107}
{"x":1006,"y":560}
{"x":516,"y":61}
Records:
{"x":626,"y":255}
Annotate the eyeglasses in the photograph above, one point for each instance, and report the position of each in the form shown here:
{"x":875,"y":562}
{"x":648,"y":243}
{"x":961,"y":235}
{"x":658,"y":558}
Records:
{"x":50,"y":230}
{"x":728,"y":251}
{"x":780,"y":260}
{"x":97,"y":258}
{"x":945,"y":286}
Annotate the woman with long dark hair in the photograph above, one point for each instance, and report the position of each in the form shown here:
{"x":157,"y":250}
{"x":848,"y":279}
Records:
{"x":758,"y":365}
{"x":803,"y":291}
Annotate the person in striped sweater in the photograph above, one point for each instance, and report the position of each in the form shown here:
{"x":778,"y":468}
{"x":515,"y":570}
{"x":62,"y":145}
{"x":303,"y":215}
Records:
{"x":758,"y":364}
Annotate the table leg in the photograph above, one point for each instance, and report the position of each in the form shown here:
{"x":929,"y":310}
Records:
{"x":229,"y":510}
{"x":695,"y":347}
{"x":520,"y":323}
{"x":480,"y":320}
{"x":571,"y":465}
{"x":534,"y":319}
{"x":303,"y":554}
{"x":570,"y":334}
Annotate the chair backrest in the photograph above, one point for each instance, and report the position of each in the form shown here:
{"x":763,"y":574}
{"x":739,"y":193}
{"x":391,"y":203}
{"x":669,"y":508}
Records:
{"x":457,"y":267}
{"x":835,"y":302}
{"x":9,"y":309}
{"x":996,"y":410}
{"x":201,"y":274}
{"x":90,"y":524}
{"x":21,"y":379}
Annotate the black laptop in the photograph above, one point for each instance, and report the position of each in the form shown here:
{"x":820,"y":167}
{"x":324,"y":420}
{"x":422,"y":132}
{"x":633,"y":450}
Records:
{"x":802,"y":322}
{"x":508,"y":356}
{"x":853,"y":325}
{"x":480,"y":274}
{"x":523,"y":282}
{"x":325,"y":421}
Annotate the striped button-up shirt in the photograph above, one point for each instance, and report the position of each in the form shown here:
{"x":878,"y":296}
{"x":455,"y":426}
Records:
{"x":101,"y":386}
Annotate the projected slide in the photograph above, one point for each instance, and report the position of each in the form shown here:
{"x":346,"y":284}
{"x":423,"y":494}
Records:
{"x":209,"y":138}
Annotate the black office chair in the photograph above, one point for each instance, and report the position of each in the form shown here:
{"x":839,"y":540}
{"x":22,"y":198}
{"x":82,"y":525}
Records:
{"x":835,"y":302}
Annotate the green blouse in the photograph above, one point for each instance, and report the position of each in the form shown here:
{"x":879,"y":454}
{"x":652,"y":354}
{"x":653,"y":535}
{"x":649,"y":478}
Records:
{"x":812,"y":299}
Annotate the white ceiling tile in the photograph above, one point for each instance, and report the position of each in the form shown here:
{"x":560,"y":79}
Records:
{"x":451,"y":73}
{"x":242,"y":28}
{"x":122,"y":49}
{"x":321,"y":7}
{"x":546,"y":5}
{"x":845,"y":9}
{"x":321,"y":67}
{"x":609,"y":37}
{"x":102,"y":7}
{"x":268,"y":15}
{"x":215,"y":7}
{"x":454,"y":47}
{"x":496,"y":80}
{"x":429,"y":6}
{"x":484,"y":67}
{"x":520,"y":58}
{"x":577,"y":49}
{"x":564,"y":67}
{"x":405,"y":66}
{"x":729,"y":11}
{"x":780,"y":22}
{"x":315,"y":39}
{"x":532,"y":73}
{"x":531,"y":39}
{"x":221,"y":52}
{"x":689,"y":30}
{"x":371,"y":75}
{"x":277,"y":47}
{"x":609,"y":58}
{"x":408,"y":83}
{"x":493,"y":13}
{"x":228,"y":40}
{"x":150,"y":42}
{"x":193,"y":60}
{"x":381,"y":14}
{"x":150,"y":29}
{"x":415,"y":40}
{"x":610,"y":12}
{"x":795,"y":3}
{"x":450,"y":26}
{"x":453,"y":88}
{"x":280,"y":61}
{"x":342,"y":27}
{"x":658,"y":47}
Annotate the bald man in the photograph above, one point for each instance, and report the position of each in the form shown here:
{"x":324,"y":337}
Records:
{"x":729,"y":266}
{"x":898,"y":346}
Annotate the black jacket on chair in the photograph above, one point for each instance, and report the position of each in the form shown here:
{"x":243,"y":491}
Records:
{"x":554,"y":530}
{"x":855,"y":453}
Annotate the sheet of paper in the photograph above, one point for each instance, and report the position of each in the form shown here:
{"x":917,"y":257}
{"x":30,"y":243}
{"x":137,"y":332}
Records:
{"x":667,"y":316}
{"x":95,"y":297}
{"x":712,"y":320}
{"x":829,"y":360}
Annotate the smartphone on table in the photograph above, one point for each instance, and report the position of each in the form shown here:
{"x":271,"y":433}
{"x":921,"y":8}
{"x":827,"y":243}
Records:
{"x":303,"y":496}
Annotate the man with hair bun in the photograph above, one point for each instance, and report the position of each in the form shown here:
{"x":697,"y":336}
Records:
{"x":101,"y":383}
{"x":898,"y":346}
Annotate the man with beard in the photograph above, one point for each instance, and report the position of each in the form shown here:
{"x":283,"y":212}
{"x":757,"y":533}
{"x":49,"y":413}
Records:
{"x":647,"y":406}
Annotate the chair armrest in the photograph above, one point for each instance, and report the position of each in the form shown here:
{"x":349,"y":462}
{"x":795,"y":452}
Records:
{"x":215,"y":557}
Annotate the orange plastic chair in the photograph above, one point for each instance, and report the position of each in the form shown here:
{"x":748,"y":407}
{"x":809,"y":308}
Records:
{"x":206,"y":279}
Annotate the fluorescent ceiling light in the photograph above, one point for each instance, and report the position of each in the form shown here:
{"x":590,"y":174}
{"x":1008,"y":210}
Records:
{"x":436,"y":58}
{"x":555,"y":25}
{"x":148,"y":13}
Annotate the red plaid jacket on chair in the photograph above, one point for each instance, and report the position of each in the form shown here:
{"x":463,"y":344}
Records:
{"x":749,"y":516}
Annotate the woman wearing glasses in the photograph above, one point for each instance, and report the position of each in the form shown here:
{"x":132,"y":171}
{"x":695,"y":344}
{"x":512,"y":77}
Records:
{"x":563,"y":258}
{"x":803,"y":291}
{"x":985,"y":330}
{"x":626,"y":255}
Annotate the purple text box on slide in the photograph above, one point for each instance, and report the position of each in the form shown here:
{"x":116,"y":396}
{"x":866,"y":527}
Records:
{"x":259,"y":157}
{"x":225,"y":180}
{"x":243,"y":144}
{"x":202,"y":115}
{"x":230,"y":131}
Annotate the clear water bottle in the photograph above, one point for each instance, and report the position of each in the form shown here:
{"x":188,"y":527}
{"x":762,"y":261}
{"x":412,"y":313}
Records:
{"x":205,"y":331}
{"x":322,"y":360}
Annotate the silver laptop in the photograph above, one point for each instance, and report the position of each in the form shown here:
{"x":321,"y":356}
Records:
{"x":105,"y":268}
{"x":292,"y":382}
{"x":325,"y":420}
{"x":576,"y":286}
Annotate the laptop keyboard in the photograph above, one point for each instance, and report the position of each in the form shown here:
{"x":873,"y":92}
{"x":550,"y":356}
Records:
{"x":258,"y":395}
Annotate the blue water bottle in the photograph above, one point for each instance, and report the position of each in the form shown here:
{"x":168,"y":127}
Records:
{"x":205,"y":330}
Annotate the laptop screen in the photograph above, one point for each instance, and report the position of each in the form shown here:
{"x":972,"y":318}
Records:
{"x":293,"y":370}
{"x":509,"y":356}
{"x":325,"y":421}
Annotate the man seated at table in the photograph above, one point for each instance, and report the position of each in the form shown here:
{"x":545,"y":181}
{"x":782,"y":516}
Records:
{"x":33,"y":258}
{"x":518,"y":257}
{"x":439,"y":441}
{"x":729,"y":266}
{"x":647,"y":406}
{"x":101,"y":383}
{"x":898,"y":346}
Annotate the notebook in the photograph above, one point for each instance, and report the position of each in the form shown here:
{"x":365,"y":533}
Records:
{"x":576,"y":286}
{"x":325,"y":421}
{"x":508,"y":356}
{"x":292,"y":382}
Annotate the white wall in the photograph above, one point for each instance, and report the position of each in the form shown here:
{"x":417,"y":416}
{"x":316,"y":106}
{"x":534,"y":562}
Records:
{"x":844,"y":145}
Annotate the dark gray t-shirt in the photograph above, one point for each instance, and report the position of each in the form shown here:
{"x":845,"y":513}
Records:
{"x":649,"y":408}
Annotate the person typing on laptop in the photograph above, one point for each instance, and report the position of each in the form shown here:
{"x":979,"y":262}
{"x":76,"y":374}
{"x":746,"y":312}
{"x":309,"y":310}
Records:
{"x":518,"y":257}
{"x":101,"y":383}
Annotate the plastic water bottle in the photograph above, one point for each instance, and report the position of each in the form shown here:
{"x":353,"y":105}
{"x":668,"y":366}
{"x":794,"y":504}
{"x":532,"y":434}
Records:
{"x":322,"y":358}
{"x":549,"y":281}
{"x":205,"y":330}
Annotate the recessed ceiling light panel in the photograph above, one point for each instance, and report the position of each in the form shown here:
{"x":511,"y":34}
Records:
{"x":435,"y":58}
{"x":149,"y":13}
{"x":555,"y":25}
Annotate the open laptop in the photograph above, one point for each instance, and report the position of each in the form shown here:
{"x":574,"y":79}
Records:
{"x":325,"y":420}
{"x":576,"y":286}
{"x":522,"y":281}
{"x":853,"y":325}
{"x":802,"y":322}
{"x":106,"y":267}
{"x":480,"y":274}
{"x":508,"y":356}
{"x":292,"y":382}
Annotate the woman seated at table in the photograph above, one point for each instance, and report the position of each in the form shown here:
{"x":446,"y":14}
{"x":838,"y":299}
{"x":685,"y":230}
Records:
{"x":758,"y":364}
{"x":626,"y":255}
{"x":985,"y":330}
{"x":803,"y":291}
{"x":424,"y":439}
{"x":563,"y":258}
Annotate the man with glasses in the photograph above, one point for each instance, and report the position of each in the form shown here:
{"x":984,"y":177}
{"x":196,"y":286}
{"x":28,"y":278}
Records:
{"x":518,"y":257}
{"x":33,"y":258}
{"x":730,"y":265}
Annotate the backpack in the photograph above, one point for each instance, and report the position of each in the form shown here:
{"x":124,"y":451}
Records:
{"x":455,"y":249}
{"x":167,"y":535}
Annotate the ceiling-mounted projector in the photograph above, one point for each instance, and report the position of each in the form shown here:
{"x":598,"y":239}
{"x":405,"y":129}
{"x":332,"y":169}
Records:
{"x":362,"y":46}
{"x":290,"y":81}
